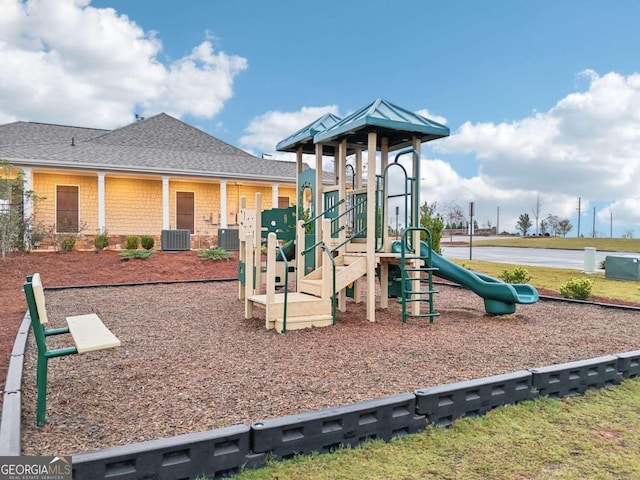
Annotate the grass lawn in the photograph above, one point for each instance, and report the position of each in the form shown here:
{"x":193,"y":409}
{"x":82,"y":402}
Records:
{"x":595,"y":436}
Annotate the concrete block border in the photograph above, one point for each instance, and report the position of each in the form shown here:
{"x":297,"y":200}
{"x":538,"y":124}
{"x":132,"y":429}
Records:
{"x":226,"y":451}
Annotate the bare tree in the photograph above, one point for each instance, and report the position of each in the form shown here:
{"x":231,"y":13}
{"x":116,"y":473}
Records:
{"x":537,"y":209}
{"x":552,"y":222}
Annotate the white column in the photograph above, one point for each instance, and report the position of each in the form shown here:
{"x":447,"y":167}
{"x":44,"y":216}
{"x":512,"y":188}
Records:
{"x":274,"y":195}
{"x":223,"y":204}
{"x":165,"y":202}
{"x":26,"y":195}
{"x":102,"y":226}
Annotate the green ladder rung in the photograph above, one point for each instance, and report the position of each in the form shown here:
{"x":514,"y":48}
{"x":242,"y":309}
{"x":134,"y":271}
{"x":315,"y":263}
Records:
{"x":413,"y":300}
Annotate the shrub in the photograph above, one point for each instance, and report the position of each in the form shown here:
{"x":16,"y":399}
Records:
{"x":577,"y":288}
{"x":214,"y":254}
{"x":131,"y":243}
{"x":68,"y":244}
{"x":147,"y":242}
{"x":101,"y":242}
{"x":129,"y":254}
{"x":515,"y":275}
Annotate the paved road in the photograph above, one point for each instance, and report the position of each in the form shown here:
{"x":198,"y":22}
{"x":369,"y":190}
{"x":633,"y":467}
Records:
{"x":545,"y":257}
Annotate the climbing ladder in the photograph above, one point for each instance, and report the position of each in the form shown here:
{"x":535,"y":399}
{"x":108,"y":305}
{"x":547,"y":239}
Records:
{"x":413,"y":263}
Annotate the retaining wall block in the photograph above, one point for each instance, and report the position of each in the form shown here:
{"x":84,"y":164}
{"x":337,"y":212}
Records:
{"x":10,"y":424}
{"x":216,"y":453}
{"x":20,"y":343}
{"x":14,"y":374}
{"x":323,"y":431}
{"x":444,"y":403}
{"x":575,"y":378}
{"x":629,"y":364}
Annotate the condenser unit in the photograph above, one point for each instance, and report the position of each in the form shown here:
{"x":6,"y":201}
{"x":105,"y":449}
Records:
{"x":176,"y":240}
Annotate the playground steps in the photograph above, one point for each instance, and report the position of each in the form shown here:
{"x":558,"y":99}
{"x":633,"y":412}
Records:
{"x":348,"y":269}
{"x":303,"y":310}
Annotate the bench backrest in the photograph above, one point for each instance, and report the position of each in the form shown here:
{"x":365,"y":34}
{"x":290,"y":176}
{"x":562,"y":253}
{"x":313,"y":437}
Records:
{"x":32,"y":292}
{"x":38,"y":293}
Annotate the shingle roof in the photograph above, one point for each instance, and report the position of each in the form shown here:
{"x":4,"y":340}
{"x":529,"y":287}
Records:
{"x":159,"y":144}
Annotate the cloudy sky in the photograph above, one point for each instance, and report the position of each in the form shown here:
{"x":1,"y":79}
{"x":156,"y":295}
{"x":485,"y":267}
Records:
{"x":542,"y":98}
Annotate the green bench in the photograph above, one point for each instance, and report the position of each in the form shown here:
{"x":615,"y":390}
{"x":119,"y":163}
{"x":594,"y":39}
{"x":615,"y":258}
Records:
{"x":87,"y":331}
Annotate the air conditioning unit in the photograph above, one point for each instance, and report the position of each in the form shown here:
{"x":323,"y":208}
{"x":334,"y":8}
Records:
{"x":229,"y":239}
{"x":176,"y":240}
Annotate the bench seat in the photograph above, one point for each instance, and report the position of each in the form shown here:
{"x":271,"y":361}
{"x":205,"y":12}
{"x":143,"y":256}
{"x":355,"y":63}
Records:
{"x":90,"y":334}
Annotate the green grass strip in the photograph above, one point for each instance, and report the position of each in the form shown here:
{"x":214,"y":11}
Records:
{"x":595,"y":436}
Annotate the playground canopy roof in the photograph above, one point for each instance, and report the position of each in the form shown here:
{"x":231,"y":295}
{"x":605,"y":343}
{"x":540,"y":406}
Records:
{"x":388,"y":120}
{"x":304,"y":136}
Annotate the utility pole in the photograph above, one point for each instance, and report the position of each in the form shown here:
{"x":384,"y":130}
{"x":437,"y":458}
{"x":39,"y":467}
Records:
{"x":498,"y":222}
{"x":579,"y":214}
{"x":593,"y":232}
{"x":611,"y":223}
{"x":470,"y":230}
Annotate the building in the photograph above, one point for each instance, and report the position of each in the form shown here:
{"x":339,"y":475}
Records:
{"x":155,"y":174}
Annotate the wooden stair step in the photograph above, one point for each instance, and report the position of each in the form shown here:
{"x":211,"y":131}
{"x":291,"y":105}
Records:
{"x":308,"y":321}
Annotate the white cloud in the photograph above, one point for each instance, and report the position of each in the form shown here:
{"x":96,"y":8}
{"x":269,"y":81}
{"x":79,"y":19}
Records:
{"x":266,"y":130}
{"x":75,"y":64}
{"x":587,"y":145}
{"x":432,"y":116}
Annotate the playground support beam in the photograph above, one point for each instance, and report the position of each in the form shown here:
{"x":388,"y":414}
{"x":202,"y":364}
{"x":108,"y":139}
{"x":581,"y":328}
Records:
{"x":415,"y":220}
{"x":371,"y":224}
{"x":319,"y":207}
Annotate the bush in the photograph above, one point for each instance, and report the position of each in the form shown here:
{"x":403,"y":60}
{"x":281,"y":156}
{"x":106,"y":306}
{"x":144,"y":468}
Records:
{"x":128,"y":254}
{"x":147,"y":242}
{"x":68,"y":244}
{"x":515,"y":275}
{"x":214,"y":254}
{"x":131,"y":243}
{"x":101,"y":242}
{"x":577,"y":288}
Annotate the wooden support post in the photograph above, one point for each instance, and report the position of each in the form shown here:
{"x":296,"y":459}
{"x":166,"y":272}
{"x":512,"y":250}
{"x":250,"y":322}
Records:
{"x":371,"y":226}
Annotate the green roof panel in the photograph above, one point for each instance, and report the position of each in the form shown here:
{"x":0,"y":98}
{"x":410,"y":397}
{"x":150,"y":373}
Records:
{"x":305,"y":135}
{"x":394,"y":122}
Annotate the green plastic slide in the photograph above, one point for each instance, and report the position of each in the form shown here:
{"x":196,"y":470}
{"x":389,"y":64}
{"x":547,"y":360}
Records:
{"x":500,"y":298}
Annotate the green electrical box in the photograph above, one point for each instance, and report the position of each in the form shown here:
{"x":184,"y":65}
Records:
{"x":622,"y":268}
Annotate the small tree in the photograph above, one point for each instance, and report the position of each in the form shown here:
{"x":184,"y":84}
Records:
{"x":433,"y":223}
{"x":15,"y":229}
{"x":524,"y":223}
{"x":564,"y":227}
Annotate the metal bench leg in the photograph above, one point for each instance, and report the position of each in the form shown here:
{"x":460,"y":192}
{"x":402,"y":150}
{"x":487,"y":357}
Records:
{"x":41,"y":382}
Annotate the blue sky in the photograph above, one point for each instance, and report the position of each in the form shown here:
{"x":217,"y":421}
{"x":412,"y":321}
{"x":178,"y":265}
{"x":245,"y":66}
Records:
{"x":542,"y":98}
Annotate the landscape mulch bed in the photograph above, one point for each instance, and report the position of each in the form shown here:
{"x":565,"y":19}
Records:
{"x":190,"y":361}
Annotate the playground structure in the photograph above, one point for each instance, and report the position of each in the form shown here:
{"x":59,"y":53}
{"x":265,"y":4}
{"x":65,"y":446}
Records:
{"x":345,"y":238}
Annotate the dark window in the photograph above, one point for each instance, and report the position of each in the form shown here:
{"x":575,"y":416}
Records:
{"x":283,"y":202}
{"x":66,"y":209}
{"x":185,"y":210}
